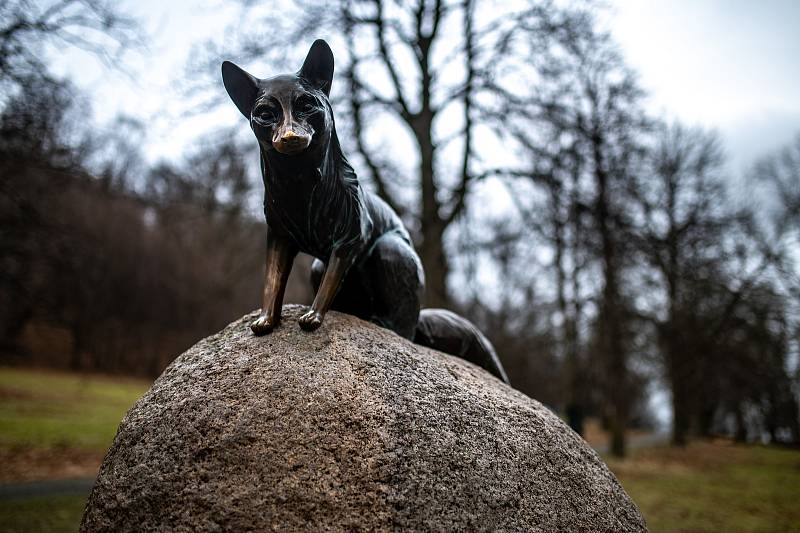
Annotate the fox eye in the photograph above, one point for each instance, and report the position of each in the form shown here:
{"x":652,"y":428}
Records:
{"x":305,"y":104}
{"x":265,"y":115}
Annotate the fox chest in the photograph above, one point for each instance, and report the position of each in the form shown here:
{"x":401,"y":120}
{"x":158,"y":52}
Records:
{"x":305,"y":216}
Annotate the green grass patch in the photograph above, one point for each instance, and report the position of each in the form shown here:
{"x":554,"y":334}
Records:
{"x":53,"y":514}
{"x":715,"y":487}
{"x":47,"y":409}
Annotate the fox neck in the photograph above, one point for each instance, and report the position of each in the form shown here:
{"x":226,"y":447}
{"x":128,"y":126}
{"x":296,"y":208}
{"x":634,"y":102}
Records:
{"x":322,"y":160}
{"x":314,"y":196}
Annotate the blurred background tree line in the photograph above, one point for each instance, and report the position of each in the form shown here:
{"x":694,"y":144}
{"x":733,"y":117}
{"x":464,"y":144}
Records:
{"x":600,"y":248}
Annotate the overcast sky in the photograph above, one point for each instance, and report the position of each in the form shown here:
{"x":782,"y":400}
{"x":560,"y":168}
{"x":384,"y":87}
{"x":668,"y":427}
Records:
{"x":732,"y":65}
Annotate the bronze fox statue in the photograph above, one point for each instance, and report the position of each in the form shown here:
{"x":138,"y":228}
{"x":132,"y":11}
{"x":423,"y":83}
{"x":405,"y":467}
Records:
{"x":365,"y":263}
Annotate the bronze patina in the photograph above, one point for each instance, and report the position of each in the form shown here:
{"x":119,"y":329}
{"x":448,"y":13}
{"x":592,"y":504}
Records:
{"x":365,"y":262}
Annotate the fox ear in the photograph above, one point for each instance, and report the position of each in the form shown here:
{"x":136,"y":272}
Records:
{"x":318,"y":66}
{"x":241,"y":87}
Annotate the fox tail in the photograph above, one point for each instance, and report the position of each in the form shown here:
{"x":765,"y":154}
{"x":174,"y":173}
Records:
{"x":452,"y":334}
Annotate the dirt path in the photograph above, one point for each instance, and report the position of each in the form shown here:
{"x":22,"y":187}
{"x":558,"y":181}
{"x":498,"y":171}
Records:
{"x":636,"y":442}
{"x":48,"y":487}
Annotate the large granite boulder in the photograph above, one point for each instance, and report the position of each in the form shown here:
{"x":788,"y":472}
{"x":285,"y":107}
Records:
{"x":347,"y":428}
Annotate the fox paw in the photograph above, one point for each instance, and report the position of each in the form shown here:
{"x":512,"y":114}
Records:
{"x":310,"y":321}
{"x":263,"y":324}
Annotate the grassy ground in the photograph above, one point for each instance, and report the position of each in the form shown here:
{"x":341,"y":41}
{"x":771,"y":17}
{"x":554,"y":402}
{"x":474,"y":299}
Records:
{"x":56,"y":425}
{"x":55,"y":514}
{"x":715,"y":486}
{"x":59,"y":425}
{"x":47,"y":410}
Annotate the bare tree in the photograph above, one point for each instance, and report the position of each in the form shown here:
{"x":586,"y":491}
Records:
{"x":721,"y":325}
{"x":781,"y":171}
{"x":516,"y":315}
{"x":28,"y":27}
{"x":39,"y":141}
{"x":583,"y":126}
{"x":779,"y":176}
{"x":42,"y":143}
{"x":685,"y":216}
{"x":413,"y":75}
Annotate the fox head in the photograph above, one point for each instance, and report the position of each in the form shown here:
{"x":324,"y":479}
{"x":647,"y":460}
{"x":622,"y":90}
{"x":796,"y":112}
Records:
{"x":287,"y":113}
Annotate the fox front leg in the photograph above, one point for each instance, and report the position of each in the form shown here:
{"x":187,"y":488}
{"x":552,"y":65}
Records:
{"x":280,"y":255}
{"x":331,"y":281}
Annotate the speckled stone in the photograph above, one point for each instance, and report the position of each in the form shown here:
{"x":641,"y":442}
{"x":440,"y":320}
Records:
{"x":347,"y":428}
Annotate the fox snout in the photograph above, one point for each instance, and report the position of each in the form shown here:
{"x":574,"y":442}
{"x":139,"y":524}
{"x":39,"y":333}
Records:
{"x":291,"y":142}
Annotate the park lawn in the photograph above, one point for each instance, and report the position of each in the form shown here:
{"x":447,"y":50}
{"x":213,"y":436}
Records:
{"x":46,"y":410}
{"x":714,"y":486}
{"x":56,"y":425}
{"x":54,"y":514}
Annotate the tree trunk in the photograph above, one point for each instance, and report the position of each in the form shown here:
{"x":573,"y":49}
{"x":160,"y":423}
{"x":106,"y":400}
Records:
{"x":741,"y":426}
{"x":436,"y":267}
{"x":573,"y":408}
{"x":579,"y":384}
{"x":610,"y":331}
{"x":680,"y":414}
{"x":675,"y":357}
{"x":78,"y":347}
{"x":618,"y":445}
{"x":432,"y":253}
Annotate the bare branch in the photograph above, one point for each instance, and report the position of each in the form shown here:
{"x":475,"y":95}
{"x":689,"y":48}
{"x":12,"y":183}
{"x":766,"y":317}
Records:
{"x":388,"y":62}
{"x":461,"y":192}
{"x":358,"y":126}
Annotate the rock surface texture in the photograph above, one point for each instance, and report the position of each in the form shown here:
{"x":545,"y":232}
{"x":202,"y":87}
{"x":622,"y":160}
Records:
{"x":347,"y":428}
